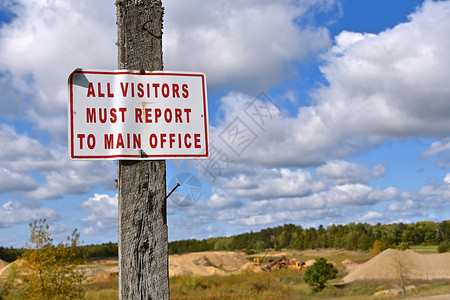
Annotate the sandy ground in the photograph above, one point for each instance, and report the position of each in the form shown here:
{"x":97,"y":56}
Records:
{"x":388,"y":265}
{"x":209,"y":263}
{"x":436,"y":297}
{"x":3,"y":264}
{"x":393,"y":264}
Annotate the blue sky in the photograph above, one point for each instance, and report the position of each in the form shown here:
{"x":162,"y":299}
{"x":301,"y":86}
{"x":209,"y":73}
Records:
{"x":342,"y":109}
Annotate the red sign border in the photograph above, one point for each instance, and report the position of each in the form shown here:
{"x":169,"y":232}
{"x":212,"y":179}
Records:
{"x":137,"y":157}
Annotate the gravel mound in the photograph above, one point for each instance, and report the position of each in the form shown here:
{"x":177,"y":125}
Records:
{"x":392,"y":264}
{"x":208,"y":263}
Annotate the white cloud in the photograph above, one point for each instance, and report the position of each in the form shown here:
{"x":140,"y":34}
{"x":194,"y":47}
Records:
{"x":12,"y":101}
{"x":379,"y":86}
{"x":328,"y":204}
{"x":405,"y":206}
{"x":437,"y":148}
{"x":260,"y":183}
{"x":236,"y":42}
{"x":389,"y":193}
{"x":391,"y":84}
{"x":12,"y":181}
{"x":434,"y":197}
{"x":21,"y":152}
{"x":14,"y":212}
{"x":220,"y":200}
{"x":372,"y":216}
{"x":435,"y":194}
{"x":340,"y":172}
{"x":255,"y":220}
{"x":75,"y":178}
{"x":22,"y":155}
{"x":447,"y":178}
{"x":101,"y":213}
{"x":44,"y":43}
{"x":345,"y":195}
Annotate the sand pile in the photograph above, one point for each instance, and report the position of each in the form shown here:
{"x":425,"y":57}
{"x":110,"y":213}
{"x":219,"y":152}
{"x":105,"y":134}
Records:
{"x":208,"y":263}
{"x":5,"y":270}
{"x":3,"y":264}
{"x":310,"y":262}
{"x":391,"y":264}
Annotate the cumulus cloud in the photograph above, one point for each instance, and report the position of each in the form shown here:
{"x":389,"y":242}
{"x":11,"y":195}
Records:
{"x":14,"y":212}
{"x":336,"y":196}
{"x":12,"y":181}
{"x":77,"y":178}
{"x":71,"y":33}
{"x":23,"y":155}
{"x":387,"y":194}
{"x":447,"y":178}
{"x":220,"y":200}
{"x":261,"y":183}
{"x":235,"y":43}
{"x":101,"y":213}
{"x":391,"y":84}
{"x":371,"y":216}
{"x":437,"y":148}
{"x":435,"y":193}
{"x":21,"y":152}
{"x":329,"y":204}
{"x":340,"y":172}
{"x":434,"y":197}
{"x":404,"y":206}
{"x":379,"y":86}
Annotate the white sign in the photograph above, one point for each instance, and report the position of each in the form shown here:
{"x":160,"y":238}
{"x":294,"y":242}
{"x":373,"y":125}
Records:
{"x":133,"y":115}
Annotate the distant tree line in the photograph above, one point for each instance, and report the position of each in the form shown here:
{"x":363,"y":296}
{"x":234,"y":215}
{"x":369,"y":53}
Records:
{"x":353,"y":236}
{"x":90,"y":251}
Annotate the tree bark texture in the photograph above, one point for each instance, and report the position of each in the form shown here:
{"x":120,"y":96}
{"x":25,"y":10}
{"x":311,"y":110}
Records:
{"x":143,"y":241}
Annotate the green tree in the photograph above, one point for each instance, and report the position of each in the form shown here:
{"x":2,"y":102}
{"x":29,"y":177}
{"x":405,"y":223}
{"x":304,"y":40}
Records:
{"x":378,"y":247}
{"x":402,"y":246}
{"x":318,"y":274}
{"x":48,"y":271}
{"x":443,"y":247}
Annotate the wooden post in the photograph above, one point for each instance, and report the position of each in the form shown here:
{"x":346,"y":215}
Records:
{"x":143,"y":242}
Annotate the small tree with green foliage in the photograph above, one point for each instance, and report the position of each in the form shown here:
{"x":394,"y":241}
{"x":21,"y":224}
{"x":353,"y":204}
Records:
{"x":378,"y":247}
{"x":443,"y":247}
{"x":318,"y":274}
{"x":402,"y":246}
{"x":48,"y":271}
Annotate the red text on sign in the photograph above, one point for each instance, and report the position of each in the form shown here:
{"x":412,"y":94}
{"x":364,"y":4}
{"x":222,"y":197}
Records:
{"x":104,"y":114}
{"x":90,"y":140}
{"x":123,"y":141}
{"x":139,"y":90}
{"x":178,"y":140}
{"x":152,"y":115}
{"x":91,"y":91}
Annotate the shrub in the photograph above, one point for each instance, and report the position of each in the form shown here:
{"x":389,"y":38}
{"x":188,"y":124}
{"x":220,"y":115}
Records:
{"x":48,"y":271}
{"x":249,"y":251}
{"x":318,"y":274}
{"x":378,"y":247}
{"x":402,"y":246}
{"x":443,"y":247}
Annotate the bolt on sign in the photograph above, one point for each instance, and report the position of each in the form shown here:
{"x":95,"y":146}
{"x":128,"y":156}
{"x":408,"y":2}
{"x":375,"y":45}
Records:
{"x":137,"y":115}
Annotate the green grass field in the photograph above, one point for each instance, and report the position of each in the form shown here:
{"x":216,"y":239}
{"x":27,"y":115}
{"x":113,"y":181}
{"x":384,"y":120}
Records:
{"x":278,"y":284}
{"x":108,"y":290}
{"x":425,"y":249}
